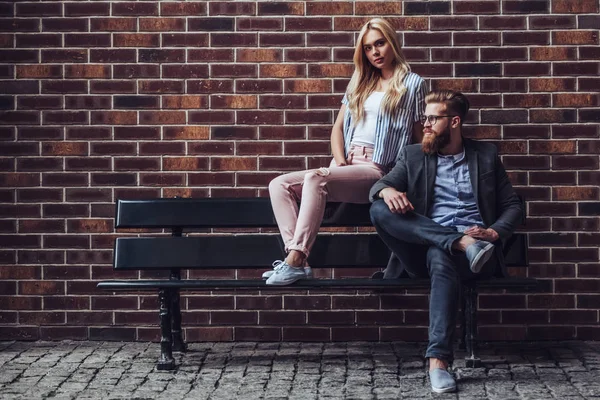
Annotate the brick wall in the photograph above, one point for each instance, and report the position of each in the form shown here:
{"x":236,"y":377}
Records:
{"x":103,"y":100}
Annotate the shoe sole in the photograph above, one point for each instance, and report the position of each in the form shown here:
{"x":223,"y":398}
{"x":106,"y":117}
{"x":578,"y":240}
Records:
{"x":308,"y":276}
{"x":285,"y":283}
{"x":445,"y":390}
{"x":482,"y":257}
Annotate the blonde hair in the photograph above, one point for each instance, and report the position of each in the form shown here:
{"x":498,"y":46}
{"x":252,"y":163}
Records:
{"x":365,"y":78}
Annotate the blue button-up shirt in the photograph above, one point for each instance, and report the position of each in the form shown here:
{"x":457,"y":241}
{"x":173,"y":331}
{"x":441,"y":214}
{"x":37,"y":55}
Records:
{"x":453,"y":199}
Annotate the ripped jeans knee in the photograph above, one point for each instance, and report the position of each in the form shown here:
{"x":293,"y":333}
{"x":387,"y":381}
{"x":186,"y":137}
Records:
{"x":323,"y":171}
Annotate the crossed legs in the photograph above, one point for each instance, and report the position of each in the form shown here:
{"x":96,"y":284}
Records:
{"x":425,"y":248}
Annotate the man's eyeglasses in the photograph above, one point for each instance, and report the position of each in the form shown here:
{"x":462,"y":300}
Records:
{"x":432,"y":119}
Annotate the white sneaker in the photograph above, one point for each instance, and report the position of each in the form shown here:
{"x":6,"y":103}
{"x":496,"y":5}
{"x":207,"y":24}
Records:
{"x":284,"y":274}
{"x":277,"y":264}
{"x":478,"y":254}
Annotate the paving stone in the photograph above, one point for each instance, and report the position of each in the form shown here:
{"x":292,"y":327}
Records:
{"x":362,"y":370}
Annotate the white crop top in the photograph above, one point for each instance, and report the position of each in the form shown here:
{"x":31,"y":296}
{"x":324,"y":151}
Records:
{"x":364,"y":134}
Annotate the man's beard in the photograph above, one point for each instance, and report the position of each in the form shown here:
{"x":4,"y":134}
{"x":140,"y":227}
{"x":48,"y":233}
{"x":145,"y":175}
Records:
{"x":431,"y":144}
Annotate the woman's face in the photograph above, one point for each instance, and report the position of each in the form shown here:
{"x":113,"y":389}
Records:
{"x":377,"y":49}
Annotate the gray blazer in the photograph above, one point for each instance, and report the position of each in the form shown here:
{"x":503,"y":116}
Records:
{"x":497,"y":202}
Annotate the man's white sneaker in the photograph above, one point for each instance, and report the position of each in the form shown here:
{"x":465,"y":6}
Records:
{"x":284,"y":274}
{"x":276,"y":264}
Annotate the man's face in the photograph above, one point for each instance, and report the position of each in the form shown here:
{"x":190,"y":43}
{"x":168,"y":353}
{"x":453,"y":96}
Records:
{"x":436,"y":131}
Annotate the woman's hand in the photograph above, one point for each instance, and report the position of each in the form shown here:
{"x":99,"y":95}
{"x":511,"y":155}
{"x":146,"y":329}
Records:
{"x":348,"y":161}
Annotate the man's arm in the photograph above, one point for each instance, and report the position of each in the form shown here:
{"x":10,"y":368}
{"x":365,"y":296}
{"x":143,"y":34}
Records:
{"x":396,"y":178}
{"x":510,"y":209}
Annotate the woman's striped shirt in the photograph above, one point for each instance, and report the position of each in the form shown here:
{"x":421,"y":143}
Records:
{"x":392,"y":132}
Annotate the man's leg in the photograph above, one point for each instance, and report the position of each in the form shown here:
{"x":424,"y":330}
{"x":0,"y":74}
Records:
{"x":413,"y":228}
{"x":418,"y":229}
{"x":443,"y":307}
{"x":446,"y":272}
{"x":443,"y":303}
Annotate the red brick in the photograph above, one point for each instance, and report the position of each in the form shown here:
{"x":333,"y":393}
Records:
{"x":233,"y":164}
{"x":575,"y":100}
{"x":262,"y":148}
{"x":112,"y":334}
{"x":211,"y":179}
{"x":40,"y":102}
{"x":329,"y":8}
{"x":281,"y":8}
{"x":39,"y":10}
{"x":308,"y":86}
{"x":113,"y":24}
{"x":316,"y":117}
{"x":502,"y":23}
{"x":257,"y":86}
{"x":551,"y":84}
{"x":259,"y":117}
{"x":329,"y":39}
{"x":43,"y":164}
{"x":19,"y":333}
{"x":211,"y":117}
{"x":454,"y":54}
{"x":260,"y":179}
{"x":136,"y":40}
{"x":88,"y":195}
{"x":114,"y":117}
{"x":21,"y":56}
{"x":192,"y":8}
{"x":135,"y":9}
{"x":161,"y":55}
{"x":526,"y":100}
{"x":578,"y":7}
{"x":210,"y":86}
{"x":573,"y":37}
{"x":209,"y":334}
{"x":284,"y":102}
{"x":88,"y":102}
{"x":574,"y":317}
{"x":234,"y":40}
{"x":260,"y":24}
{"x":112,"y":55}
{"x":41,"y":287}
{"x":282,"y":71}
{"x":41,"y":318}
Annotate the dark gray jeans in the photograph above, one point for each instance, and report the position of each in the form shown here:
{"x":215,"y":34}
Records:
{"x":424,"y":249}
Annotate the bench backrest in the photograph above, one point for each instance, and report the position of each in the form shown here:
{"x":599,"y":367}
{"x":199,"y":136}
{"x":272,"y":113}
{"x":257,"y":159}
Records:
{"x":223,"y":213}
{"x":244,"y":250}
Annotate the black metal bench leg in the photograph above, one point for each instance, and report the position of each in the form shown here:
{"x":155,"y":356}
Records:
{"x":471,"y":361}
{"x":166,"y":361}
{"x":178,"y":343}
{"x":462,"y":344}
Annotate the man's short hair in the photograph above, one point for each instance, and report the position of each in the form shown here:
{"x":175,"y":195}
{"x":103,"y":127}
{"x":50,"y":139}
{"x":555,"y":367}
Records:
{"x":456,"y":102}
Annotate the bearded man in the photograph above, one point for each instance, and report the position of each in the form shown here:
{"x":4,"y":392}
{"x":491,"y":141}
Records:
{"x":444,"y":210}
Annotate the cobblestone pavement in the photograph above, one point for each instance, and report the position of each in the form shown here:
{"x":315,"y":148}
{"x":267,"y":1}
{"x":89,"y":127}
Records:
{"x":357,"y":370}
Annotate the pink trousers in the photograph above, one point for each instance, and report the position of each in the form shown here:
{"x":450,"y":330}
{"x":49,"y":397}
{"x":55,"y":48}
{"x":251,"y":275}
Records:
{"x":314,"y":188}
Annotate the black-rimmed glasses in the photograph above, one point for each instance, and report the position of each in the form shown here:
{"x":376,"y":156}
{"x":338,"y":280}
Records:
{"x":432,"y":119}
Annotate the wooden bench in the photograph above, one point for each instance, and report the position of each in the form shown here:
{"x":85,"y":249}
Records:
{"x":175,"y":253}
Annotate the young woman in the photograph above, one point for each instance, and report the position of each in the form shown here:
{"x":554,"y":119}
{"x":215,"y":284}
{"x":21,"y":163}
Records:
{"x":379,"y":115}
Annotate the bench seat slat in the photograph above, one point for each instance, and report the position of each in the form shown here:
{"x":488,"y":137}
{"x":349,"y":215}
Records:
{"x":362,"y":283}
{"x":244,"y":251}
{"x":223,"y":213}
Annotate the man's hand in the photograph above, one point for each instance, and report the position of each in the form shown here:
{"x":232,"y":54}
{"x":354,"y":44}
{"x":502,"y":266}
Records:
{"x":478,"y":232}
{"x":396,"y":201}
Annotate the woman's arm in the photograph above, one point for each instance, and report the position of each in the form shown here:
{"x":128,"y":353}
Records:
{"x":337,"y":138}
